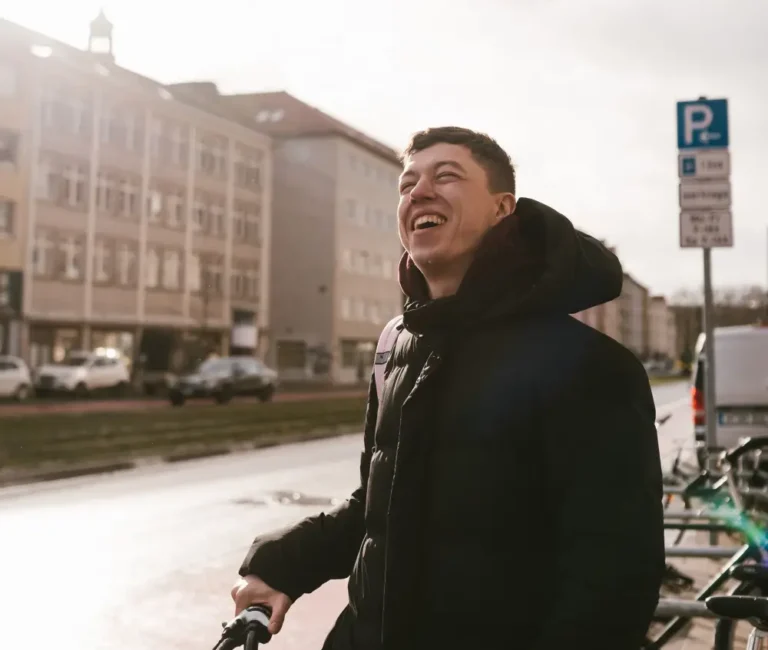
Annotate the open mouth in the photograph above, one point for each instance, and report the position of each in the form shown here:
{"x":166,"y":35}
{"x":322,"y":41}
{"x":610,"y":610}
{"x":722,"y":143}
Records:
{"x":428,"y":221}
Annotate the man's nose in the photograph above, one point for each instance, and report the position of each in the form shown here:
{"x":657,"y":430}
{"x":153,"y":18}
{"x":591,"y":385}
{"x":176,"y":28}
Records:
{"x":423,"y":189}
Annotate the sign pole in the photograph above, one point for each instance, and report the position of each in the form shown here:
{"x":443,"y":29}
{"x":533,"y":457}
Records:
{"x":709,"y":356}
{"x":706,"y":221}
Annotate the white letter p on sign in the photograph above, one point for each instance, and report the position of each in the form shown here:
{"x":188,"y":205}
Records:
{"x":697,"y":117}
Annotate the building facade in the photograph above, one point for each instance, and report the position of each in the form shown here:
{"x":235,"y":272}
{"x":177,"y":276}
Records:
{"x":662,"y":330}
{"x":335,"y":241}
{"x":138,"y":218}
{"x":633,"y":316}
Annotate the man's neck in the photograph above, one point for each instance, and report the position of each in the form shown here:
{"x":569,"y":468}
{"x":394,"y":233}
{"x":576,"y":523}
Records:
{"x":445,"y":282}
{"x":443,"y":287}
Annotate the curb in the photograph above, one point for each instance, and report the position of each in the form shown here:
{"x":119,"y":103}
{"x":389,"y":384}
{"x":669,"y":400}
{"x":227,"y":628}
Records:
{"x":11,"y":477}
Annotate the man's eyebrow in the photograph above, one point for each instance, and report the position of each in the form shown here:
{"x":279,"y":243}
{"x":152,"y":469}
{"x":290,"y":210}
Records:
{"x":440,"y":163}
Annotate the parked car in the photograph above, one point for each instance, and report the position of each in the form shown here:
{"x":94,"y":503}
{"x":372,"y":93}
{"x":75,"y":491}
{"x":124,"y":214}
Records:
{"x":15,"y":378}
{"x":741,"y":386}
{"x":225,"y":377}
{"x":81,"y":373}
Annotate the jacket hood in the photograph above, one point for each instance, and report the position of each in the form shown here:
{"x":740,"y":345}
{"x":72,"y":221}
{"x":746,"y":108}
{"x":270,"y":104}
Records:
{"x":532,"y":262}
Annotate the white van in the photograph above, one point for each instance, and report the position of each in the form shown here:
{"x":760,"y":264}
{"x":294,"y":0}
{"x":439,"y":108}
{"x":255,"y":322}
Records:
{"x":741,"y":385}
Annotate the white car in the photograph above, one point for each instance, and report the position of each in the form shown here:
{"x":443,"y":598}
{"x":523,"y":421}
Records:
{"x":15,"y":378}
{"x":81,"y":373}
{"x":741,"y":385}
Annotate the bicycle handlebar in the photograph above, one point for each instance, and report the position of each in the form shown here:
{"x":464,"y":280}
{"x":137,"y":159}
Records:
{"x":249,"y":629}
{"x":750,"y":444}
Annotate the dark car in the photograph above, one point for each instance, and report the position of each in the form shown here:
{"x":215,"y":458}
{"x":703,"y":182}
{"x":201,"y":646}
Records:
{"x":225,"y":377}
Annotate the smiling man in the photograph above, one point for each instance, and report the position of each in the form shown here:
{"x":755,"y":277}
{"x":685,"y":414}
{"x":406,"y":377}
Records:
{"x":510,"y":483}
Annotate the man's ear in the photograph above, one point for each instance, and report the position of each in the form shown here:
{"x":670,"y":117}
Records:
{"x":507,"y":205}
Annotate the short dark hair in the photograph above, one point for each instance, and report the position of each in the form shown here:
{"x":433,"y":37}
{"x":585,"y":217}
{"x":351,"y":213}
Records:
{"x":484,"y":149}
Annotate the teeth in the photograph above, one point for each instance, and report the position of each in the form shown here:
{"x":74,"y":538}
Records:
{"x":428,"y":218}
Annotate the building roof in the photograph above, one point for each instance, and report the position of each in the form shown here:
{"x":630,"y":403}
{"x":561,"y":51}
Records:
{"x":629,"y":278}
{"x":280,"y":114}
{"x":16,"y":37}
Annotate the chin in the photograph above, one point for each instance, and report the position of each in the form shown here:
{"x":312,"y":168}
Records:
{"x":426,"y":258}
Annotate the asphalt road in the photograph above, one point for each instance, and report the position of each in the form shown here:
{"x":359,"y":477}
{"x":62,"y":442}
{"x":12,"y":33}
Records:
{"x":146,"y":558}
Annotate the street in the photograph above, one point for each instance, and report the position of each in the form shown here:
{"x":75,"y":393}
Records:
{"x":146,"y":559}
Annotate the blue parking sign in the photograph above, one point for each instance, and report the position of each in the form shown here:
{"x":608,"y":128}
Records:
{"x":702,"y":124}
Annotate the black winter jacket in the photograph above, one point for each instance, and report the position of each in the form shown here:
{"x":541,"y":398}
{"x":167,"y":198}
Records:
{"x":510,"y":483}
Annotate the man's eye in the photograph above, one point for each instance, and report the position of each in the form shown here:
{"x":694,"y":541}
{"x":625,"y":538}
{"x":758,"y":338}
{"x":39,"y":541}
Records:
{"x":446,"y":175}
{"x":405,"y":187}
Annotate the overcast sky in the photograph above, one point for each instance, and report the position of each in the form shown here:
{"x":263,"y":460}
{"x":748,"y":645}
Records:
{"x":581,"y":93}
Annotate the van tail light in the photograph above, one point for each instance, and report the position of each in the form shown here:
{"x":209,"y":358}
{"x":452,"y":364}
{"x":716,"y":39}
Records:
{"x":697,"y":401}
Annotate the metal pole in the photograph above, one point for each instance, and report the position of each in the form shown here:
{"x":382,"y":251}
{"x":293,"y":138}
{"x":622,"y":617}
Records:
{"x":709,"y":355}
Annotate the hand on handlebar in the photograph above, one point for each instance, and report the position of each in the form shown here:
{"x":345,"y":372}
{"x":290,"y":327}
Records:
{"x":252,"y":590}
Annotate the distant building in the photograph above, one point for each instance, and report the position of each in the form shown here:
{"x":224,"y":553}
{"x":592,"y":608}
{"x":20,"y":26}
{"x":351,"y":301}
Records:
{"x":334,"y":237}
{"x":633,"y":315}
{"x":130,"y":216}
{"x":662,"y":330}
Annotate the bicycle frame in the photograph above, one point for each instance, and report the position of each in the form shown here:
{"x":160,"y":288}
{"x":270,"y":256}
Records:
{"x":674,"y":626}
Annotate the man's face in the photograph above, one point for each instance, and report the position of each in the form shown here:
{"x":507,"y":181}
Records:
{"x":446,"y":207}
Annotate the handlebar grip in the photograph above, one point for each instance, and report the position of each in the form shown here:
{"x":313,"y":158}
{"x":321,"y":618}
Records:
{"x":750,"y":444}
{"x":695,"y":483}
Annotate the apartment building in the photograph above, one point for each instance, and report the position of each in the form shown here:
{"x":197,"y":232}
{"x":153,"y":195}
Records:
{"x":662,"y":329}
{"x":13,"y":180}
{"x":334,"y":237}
{"x":633,"y":314}
{"x":130,"y":217}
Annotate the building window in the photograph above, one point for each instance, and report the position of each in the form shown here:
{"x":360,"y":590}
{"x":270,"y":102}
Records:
{"x":251,"y":284}
{"x":6,"y":217}
{"x":211,"y":279}
{"x":102,"y":261}
{"x":194,"y":273}
{"x":200,"y":215}
{"x":237,"y":283}
{"x":126,"y":264}
{"x":248,"y":168}
{"x":152,"y":276}
{"x":154,"y":206}
{"x":66,"y":111}
{"x":179,"y":139}
{"x":41,"y":253}
{"x":216,"y":219}
{"x":175,"y":206}
{"x":212,"y":156}
{"x":346,"y":309}
{"x":349,"y":356}
{"x":72,"y":256}
{"x":171,"y":269}
{"x":121,"y":128}
{"x":73,"y":186}
{"x":386,"y":268}
{"x":238,"y":223}
{"x":5,"y":290}
{"x":106,"y":191}
{"x":9,"y":144}
{"x":346,"y":259}
{"x":128,"y":198}
{"x":169,"y":142}
{"x":8,"y":80}
{"x":252,"y":225}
